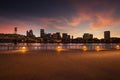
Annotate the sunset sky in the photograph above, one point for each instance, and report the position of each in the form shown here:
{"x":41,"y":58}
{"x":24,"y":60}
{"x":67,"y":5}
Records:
{"x":75,"y":17}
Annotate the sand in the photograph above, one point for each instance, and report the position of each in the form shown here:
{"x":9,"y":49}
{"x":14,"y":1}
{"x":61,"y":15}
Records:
{"x":56,"y":65}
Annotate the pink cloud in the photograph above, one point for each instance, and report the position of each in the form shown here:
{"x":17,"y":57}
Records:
{"x":98,"y":13}
{"x":75,"y":21}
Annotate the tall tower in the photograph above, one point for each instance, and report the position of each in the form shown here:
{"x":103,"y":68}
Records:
{"x":107,"y":35}
{"x":42,"y":33}
{"x":15,"y":29}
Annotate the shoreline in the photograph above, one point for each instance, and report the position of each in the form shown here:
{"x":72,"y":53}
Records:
{"x":65,"y":65}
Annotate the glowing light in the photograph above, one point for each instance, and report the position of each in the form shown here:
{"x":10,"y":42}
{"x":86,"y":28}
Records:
{"x":59,"y":48}
{"x":23,"y":48}
{"x":84,"y":48}
{"x":97,"y":48}
{"x":117,"y":47}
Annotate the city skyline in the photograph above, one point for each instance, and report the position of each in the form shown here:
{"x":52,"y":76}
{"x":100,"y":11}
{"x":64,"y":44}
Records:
{"x":74,"y":17}
{"x":44,"y":32}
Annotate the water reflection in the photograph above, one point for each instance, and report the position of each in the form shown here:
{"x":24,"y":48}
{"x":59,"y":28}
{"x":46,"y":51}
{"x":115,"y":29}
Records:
{"x":117,"y":46}
{"x":85,"y":48}
{"x":97,"y":48}
{"x":59,"y":47}
{"x":23,"y":48}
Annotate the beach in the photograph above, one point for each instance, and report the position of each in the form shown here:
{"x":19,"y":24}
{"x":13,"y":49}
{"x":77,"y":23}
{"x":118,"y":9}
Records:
{"x":59,"y":65}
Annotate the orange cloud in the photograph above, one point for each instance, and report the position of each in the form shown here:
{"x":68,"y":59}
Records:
{"x":98,"y":13}
{"x":75,"y":21}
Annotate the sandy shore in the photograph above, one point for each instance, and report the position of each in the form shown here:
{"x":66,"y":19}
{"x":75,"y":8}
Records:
{"x":65,"y":65}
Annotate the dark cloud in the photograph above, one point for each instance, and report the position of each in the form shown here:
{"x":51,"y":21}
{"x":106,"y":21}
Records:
{"x":52,"y":8}
{"x":37,"y":8}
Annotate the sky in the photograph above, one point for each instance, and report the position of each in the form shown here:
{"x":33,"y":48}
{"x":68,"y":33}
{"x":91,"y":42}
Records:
{"x":74,"y":17}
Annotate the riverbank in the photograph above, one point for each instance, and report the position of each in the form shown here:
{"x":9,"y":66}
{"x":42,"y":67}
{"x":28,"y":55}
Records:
{"x":59,"y":65}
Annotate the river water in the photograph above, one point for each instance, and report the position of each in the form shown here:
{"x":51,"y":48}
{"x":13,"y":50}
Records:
{"x":87,"y":46}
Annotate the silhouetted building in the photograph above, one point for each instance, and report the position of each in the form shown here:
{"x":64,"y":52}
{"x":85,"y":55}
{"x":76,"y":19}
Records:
{"x":56,"y":37}
{"x":65,"y":38}
{"x":72,"y":37}
{"x":68,"y":38}
{"x":15,"y":29}
{"x":115,"y":40}
{"x":12,"y":38}
{"x":30,"y":34}
{"x":47,"y":37}
{"x":107,"y":35}
{"x":42,"y":33}
{"x":96,"y":40}
{"x":87,"y":36}
{"x":78,"y":40}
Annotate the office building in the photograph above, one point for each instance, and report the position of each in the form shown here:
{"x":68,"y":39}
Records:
{"x":107,"y":35}
{"x":42,"y":33}
{"x":87,"y":36}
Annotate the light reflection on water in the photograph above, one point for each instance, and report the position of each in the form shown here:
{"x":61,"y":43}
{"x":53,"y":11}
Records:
{"x":36,"y":46}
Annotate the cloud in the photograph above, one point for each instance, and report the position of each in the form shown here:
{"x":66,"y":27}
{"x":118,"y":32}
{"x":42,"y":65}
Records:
{"x":75,"y":21}
{"x":60,"y":23}
{"x":98,"y":14}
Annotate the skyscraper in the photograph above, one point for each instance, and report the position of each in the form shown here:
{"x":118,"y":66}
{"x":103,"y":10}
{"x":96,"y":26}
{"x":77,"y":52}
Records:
{"x":15,"y":29}
{"x":42,"y":33}
{"x":64,"y":36}
{"x":87,"y":36}
{"x":107,"y":35}
{"x":30,"y":34}
{"x":58,"y":35}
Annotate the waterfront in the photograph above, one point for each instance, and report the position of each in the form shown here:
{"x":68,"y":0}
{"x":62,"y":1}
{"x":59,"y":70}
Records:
{"x":50,"y":46}
{"x":64,"y":65}
{"x":37,"y":61}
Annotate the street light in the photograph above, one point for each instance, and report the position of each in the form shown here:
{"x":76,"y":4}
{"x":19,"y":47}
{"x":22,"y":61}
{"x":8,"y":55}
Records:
{"x":117,"y":47}
{"x":84,"y":48}
{"x":97,"y":48}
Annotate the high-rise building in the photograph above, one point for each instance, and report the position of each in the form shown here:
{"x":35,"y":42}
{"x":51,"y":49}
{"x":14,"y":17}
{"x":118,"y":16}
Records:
{"x":64,"y":36}
{"x":15,"y":29}
{"x":87,"y":36}
{"x":58,"y":35}
{"x":107,"y":35}
{"x":30,"y":34}
{"x":48,"y":36}
{"x":42,"y":33}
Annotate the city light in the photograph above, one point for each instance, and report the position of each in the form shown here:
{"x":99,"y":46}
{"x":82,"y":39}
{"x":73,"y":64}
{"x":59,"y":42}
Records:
{"x":84,"y":48}
{"x":23,"y":49}
{"x":97,"y":48}
{"x":117,"y":47}
{"x":59,"y":48}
